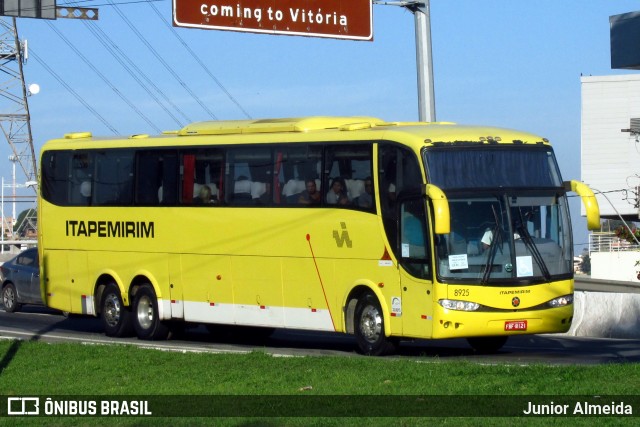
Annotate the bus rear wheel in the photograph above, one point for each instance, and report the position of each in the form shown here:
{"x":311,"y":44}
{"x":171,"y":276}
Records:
{"x":369,"y":327}
{"x":146,"y":318}
{"x":116,"y":318}
{"x":487,"y":345}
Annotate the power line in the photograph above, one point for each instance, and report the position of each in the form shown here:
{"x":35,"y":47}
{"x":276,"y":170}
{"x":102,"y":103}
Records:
{"x":73,"y":92}
{"x":162,"y":61}
{"x":198,"y":60}
{"x":128,"y":64}
{"x":104,"y":78}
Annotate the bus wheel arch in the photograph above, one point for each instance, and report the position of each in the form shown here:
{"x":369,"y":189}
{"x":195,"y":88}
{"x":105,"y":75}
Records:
{"x":114,"y":315}
{"x":366,"y":318}
{"x":145,"y":313}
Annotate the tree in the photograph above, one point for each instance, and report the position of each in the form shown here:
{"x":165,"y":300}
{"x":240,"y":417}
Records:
{"x":26,"y":222}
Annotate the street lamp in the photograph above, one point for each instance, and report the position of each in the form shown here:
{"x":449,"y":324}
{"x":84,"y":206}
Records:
{"x":13,"y":159}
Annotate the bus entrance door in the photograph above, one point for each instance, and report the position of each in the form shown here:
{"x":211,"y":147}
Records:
{"x":417,"y":306}
{"x":414,"y":255}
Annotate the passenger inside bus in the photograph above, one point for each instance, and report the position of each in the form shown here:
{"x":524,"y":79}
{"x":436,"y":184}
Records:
{"x":204,"y":196}
{"x":260,"y":193}
{"x":337,"y":194}
{"x":311,"y":195}
{"x":242,"y":191}
{"x":365,"y":200}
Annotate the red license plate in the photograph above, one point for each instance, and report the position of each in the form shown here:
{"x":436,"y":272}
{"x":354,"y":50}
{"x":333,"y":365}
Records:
{"x":515,"y":325}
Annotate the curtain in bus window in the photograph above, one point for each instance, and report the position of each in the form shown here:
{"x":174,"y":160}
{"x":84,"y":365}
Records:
{"x":188,"y":162}
{"x":491,"y":168}
{"x":276,"y":178}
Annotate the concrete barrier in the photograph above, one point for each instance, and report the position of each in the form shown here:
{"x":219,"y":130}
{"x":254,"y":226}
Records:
{"x":606,"y":315}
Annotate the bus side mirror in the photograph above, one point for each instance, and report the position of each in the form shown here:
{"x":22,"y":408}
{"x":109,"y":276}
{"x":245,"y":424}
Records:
{"x":589,"y":201}
{"x":442,"y":219}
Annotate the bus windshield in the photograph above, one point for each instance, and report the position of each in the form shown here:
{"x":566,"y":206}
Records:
{"x":509,"y":215}
{"x":501,"y":238}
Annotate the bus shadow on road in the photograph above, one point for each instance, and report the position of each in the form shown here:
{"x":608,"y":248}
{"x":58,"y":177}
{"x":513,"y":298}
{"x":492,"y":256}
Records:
{"x":559,"y":349}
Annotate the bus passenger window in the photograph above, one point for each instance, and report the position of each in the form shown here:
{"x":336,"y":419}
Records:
{"x":202,"y":177}
{"x":250,"y":173}
{"x":347,"y":167}
{"x":80,"y":180}
{"x":55,"y":174}
{"x":156,"y":178}
{"x":113,"y":184}
{"x":297,"y":167}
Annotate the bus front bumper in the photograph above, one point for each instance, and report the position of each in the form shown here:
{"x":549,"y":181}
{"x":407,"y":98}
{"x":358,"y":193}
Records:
{"x":461,"y":324}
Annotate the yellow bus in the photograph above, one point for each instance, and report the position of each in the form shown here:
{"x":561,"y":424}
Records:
{"x":385,"y":231}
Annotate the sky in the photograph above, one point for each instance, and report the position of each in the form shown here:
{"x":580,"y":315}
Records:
{"x":507,"y":63}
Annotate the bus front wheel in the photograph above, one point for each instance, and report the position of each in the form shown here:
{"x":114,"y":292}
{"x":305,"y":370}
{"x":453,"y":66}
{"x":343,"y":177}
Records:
{"x":146,"y":320}
{"x":369,"y":327}
{"x":116,"y":318}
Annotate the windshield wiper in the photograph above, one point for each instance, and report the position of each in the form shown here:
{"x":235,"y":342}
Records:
{"x":529,"y":243}
{"x":496,"y":239}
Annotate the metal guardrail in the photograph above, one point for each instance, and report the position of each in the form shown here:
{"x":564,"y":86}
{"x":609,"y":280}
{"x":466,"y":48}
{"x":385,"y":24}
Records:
{"x":585,"y":283}
{"x":609,"y":242}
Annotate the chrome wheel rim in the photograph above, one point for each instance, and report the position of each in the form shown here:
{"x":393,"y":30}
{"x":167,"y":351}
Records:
{"x":112,"y":310}
{"x":8,"y":297}
{"x":145,"y":312}
{"x":371,"y":324}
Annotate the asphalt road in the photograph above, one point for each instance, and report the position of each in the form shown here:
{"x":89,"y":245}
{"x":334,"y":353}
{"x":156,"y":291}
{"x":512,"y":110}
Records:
{"x":37,"y":323}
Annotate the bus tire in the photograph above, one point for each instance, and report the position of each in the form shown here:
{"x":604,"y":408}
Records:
{"x":369,"y":327}
{"x":115,"y":317}
{"x":146,"y":320}
{"x":487,"y":345}
{"x":10,"y":298}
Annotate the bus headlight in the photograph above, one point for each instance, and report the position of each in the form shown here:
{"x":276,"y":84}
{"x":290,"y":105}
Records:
{"x":561,"y":301}
{"x":452,"y":304}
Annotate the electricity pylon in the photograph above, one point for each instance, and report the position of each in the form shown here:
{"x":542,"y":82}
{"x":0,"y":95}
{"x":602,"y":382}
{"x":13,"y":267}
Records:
{"x":14,"y":109}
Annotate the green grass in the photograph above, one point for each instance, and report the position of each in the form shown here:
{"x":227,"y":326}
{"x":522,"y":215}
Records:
{"x":36,"y":368}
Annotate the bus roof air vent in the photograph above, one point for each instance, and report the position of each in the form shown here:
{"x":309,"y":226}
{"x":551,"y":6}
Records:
{"x":77,"y":135}
{"x":306,"y":124}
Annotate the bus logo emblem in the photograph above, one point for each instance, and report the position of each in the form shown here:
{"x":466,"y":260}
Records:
{"x":342,"y":237}
{"x":515,"y":301}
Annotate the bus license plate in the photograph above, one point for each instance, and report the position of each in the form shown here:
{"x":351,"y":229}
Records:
{"x":515,"y":325}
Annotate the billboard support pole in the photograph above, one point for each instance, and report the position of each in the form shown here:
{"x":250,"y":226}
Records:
{"x":424,"y":61}
{"x":421,"y":10}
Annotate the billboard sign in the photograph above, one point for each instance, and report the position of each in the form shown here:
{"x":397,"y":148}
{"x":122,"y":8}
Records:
{"x":42,"y":9}
{"x":341,"y":19}
{"x":625,"y":41}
